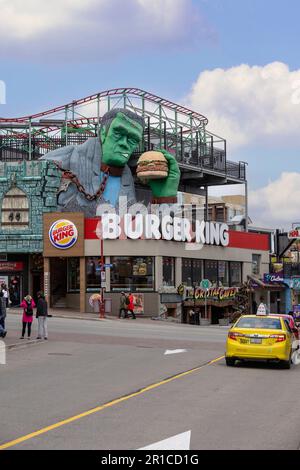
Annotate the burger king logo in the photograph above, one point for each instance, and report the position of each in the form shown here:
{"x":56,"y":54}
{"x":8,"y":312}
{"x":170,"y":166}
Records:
{"x":63,"y":234}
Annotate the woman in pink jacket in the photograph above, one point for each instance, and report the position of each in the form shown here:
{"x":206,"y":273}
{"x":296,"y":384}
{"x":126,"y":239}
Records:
{"x":27,"y":319}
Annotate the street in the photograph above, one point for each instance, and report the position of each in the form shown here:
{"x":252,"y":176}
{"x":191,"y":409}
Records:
{"x":110,"y":385}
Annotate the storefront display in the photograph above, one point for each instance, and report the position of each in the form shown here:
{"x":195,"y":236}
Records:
{"x":132,"y":273}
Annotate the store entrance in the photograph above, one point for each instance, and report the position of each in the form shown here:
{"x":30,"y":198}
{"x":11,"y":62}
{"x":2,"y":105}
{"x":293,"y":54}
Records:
{"x":58,"y":282}
{"x":15,"y":289}
{"x":216,"y":314}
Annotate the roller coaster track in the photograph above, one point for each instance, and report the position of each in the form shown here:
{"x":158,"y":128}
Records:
{"x":137,"y":92}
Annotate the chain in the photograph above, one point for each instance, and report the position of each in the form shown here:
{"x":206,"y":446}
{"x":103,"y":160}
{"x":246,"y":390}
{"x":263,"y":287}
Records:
{"x":68,"y":174}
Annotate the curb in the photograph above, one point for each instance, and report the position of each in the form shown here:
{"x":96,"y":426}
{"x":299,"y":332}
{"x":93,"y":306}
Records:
{"x":23,"y":345}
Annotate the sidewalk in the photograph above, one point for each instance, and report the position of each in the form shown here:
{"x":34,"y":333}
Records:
{"x":76,"y":315}
{"x":13,"y":341}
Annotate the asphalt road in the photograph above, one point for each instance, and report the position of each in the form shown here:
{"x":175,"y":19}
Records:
{"x":85,"y":365}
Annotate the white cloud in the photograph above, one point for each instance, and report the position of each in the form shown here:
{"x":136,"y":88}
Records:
{"x":276,"y":204}
{"x":96,"y":28}
{"x":250,"y":105}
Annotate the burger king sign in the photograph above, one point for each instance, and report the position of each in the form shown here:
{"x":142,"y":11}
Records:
{"x":63,"y":234}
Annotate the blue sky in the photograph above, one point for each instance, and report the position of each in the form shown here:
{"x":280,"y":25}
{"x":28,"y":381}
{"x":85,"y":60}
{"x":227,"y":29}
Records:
{"x":49,"y":56}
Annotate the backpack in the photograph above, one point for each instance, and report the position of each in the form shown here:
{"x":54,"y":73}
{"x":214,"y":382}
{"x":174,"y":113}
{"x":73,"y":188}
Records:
{"x":28,"y":309}
{"x":127,"y":301}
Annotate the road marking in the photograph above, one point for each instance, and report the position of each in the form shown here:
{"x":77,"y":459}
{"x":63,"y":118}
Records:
{"x":179,"y":442}
{"x":59,"y":424}
{"x":174,"y":351}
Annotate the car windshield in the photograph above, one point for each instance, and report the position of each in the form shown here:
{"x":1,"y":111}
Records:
{"x":259,"y":323}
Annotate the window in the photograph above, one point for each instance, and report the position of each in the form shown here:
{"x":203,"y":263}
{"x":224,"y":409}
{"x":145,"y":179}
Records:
{"x":15,"y":210}
{"x":93,"y":273}
{"x":211,"y":271}
{"x":259,"y":323}
{"x":187,"y":279}
{"x":168,"y":271}
{"x":73,"y":275}
{"x":132,"y":273}
{"x":256,"y":264}
{"x":223,"y":273}
{"x":191,"y":271}
{"x":235,"y":274}
{"x":196,"y":271}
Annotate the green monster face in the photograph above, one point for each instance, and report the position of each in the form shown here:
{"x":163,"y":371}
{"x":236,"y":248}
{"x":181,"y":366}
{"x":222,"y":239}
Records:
{"x":119,"y":142}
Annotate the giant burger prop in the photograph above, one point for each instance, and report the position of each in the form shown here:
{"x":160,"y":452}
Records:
{"x":152,"y":165}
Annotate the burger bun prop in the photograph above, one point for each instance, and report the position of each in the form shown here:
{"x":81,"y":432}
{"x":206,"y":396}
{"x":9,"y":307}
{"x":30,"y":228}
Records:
{"x":152,"y":165}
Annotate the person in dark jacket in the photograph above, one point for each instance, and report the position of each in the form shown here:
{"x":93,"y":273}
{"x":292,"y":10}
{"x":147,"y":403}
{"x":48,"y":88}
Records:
{"x":123,"y":309}
{"x":41,"y":315}
{"x":2,"y":311}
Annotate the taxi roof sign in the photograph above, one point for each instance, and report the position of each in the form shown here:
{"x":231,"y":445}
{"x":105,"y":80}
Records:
{"x":262,"y":310}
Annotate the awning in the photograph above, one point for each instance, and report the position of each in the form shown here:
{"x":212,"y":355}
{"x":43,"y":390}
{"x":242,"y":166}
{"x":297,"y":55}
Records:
{"x":256,"y":283}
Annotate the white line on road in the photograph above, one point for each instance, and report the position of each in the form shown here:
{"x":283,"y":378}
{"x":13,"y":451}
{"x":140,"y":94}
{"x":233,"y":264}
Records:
{"x":174,"y":351}
{"x":179,"y":442}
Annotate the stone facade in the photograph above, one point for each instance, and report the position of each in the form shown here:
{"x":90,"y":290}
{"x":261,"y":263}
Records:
{"x":39,"y":181}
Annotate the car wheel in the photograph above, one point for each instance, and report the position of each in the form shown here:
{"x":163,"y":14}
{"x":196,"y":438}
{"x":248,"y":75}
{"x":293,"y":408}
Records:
{"x":229,"y":361}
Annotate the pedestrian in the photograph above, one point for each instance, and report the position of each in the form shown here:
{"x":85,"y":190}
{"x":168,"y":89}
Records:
{"x":2,"y":311}
{"x":27,"y":319}
{"x":122,"y":308}
{"x":130,"y":305}
{"x":41,"y":315}
{"x":2,"y":332}
{"x":5,"y":294}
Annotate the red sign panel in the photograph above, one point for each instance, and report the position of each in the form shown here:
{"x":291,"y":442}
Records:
{"x":10,"y":266}
{"x":246,"y":240}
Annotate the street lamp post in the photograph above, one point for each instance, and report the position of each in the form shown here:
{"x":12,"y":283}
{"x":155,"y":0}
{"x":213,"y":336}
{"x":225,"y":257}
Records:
{"x":102,"y":304}
{"x":99,"y":233}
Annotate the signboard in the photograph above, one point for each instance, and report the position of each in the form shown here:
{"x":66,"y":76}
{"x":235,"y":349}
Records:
{"x":138,"y":302}
{"x":63,"y":236}
{"x":294,"y":233}
{"x":170,"y":298}
{"x":46,"y":283}
{"x":295,"y":284}
{"x":272,"y":278}
{"x":213,"y":293}
{"x":205,"y":284}
{"x":11,"y":266}
{"x":153,"y":227}
{"x":261,"y":310}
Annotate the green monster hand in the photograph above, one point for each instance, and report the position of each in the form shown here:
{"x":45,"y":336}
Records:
{"x":165,"y":190}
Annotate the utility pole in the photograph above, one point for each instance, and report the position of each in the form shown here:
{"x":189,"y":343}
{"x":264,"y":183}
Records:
{"x":102,"y":277}
{"x":99,"y":233}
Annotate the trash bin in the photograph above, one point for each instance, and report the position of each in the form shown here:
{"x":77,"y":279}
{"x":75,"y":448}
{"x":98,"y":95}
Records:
{"x":108,"y":305}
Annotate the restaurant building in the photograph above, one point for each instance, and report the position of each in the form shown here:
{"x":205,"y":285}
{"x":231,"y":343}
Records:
{"x":152,"y":269}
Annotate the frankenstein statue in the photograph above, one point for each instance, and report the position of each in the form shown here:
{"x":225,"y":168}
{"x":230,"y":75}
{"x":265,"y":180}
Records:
{"x":96,"y":172}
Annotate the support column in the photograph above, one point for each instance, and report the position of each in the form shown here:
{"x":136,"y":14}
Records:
{"x":206,"y":205}
{"x":178,"y":272}
{"x":82,"y":284}
{"x":158,"y":272}
{"x":269,"y":301}
{"x":47,"y":284}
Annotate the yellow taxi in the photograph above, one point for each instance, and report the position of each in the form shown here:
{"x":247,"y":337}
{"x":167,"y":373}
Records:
{"x":265,"y":337}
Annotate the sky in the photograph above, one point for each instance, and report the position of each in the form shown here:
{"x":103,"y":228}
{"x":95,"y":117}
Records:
{"x":235,"y":61}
